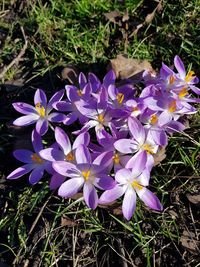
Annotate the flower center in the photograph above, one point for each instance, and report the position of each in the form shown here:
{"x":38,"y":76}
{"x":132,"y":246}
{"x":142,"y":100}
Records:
{"x":100,"y":118}
{"x":183,"y":92}
{"x":190,"y":75}
{"x":148,"y":148}
{"x":171,"y":79}
{"x":37,"y":159}
{"x":69,"y":156}
{"x":116,"y":158}
{"x":79,"y":92}
{"x":120,"y":98}
{"x":136,"y":185}
{"x":153,"y":119}
{"x":135,"y":108}
{"x":40,"y":109}
{"x":86,"y":174}
{"x":172,"y":106}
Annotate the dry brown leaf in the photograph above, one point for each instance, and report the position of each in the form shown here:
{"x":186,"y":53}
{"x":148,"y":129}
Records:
{"x":195,"y":199}
{"x":189,"y":242}
{"x":111,"y":16}
{"x":129,"y":67}
{"x":70,"y":73}
{"x":159,"y":156}
{"x":66,"y":221}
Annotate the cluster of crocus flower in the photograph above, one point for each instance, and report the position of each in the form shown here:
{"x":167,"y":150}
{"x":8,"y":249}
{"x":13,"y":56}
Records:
{"x":118,"y":130}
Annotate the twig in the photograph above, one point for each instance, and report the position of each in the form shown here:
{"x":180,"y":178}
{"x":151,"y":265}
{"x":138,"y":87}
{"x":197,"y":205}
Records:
{"x":16,"y":60}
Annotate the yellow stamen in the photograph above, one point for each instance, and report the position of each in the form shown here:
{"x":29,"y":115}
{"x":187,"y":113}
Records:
{"x":116,"y":158}
{"x":101,"y":118}
{"x":183,"y":92}
{"x":153,"y":119}
{"x":37,"y":159}
{"x":69,"y":156}
{"x":171,"y":79}
{"x":190,"y":75}
{"x":172,"y":106}
{"x":79,"y":92}
{"x":136,"y":185}
{"x":148,"y":148}
{"x":86,"y":175}
{"x":135,"y":108}
{"x":40,"y":109}
{"x":120,"y":98}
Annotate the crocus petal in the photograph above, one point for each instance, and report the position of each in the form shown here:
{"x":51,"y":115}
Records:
{"x":56,"y":181}
{"x":24,"y":108}
{"x":112,"y":194}
{"x":90,"y":124}
{"x":63,"y":140}
{"x":36,"y":141}
{"x":104,"y":182}
{"x":82,"y":155}
{"x":81,"y":139}
{"x":129,"y":203}
{"x":195,"y":89}
{"x":149,"y":198}
{"x":26,"y":120}
{"x":72,"y":93}
{"x":63,"y":106}
{"x":36,"y":175}
{"x":90,"y":195}
{"x":109,"y":78}
{"x":56,"y":117}
{"x":94,"y":81}
{"x":159,"y":137}
{"x":137,"y":163}
{"x":82,"y":80}
{"x":164,"y":118}
{"x":125,"y":146}
{"x":123,"y":176}
{"x":23,"y":155}
{"x":42,"y":126}
{"x":70,"y":118}
{"x":55,"y":98}
{"x":70,"y":187}
{"x":137,"y":130}
{"x":104,"y":159}
{"x":66,"y":169}
{"x":180,"y":67}
{"x":40,"y":97}
{"x":20,"y":171}
{"x":52,"y":154}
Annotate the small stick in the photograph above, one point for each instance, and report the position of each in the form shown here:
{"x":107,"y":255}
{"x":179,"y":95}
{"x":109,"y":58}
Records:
{"x":18,"y":58}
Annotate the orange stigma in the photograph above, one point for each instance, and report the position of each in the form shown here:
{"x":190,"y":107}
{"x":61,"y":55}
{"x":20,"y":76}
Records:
{"x":37,"y":159}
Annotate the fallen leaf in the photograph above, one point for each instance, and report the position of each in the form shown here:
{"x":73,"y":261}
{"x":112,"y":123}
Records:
{"x":111,"y":16}
{"x":129,"y":67}
{"x":189,"y":242}
{"x":70,"y":73}
{"x":195,"y":199}
{"x":159,"y":156}
{"x":66,"y":221}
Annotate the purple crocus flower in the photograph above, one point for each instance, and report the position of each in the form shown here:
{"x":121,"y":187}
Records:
{"x":34,"y":163}
{"x":130,"y":183}
{"x":186,"y":79}
{"x":41,"y":113}
{"x":84,"y":174}
{"x":171,"y":108}
{"x":140,"y":141}
{"x":63,"y":151}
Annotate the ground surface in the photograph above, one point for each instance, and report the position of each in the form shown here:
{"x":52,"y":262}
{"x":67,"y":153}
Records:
{"x":37,"y":40}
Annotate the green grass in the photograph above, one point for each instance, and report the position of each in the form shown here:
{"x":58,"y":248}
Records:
{"x":77,"y":32}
